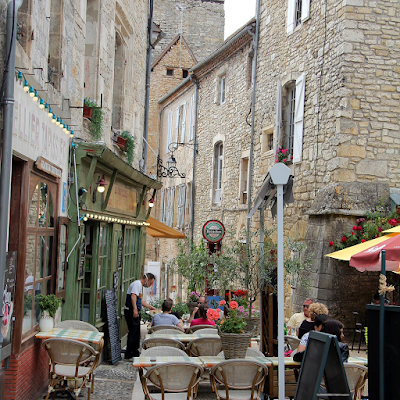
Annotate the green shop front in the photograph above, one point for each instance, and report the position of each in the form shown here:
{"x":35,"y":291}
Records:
{"x":108,"y":210}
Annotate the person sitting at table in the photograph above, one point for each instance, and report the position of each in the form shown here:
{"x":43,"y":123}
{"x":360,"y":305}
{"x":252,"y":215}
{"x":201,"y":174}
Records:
{"x":202,"y":320}
{"x":166,"y":318}
{"x":195,"y":312}
{"x":297,"y":318}
{"x":299,"y":352}
{"x":308,"y":324}
{"x":335,"y":327}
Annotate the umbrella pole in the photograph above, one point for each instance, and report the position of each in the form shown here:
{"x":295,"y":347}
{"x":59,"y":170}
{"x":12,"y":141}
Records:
{"x":381,"y":334}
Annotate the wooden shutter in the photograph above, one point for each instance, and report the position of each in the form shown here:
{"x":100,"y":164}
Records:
{"x":176,"y":138}
{"x":192,"y":110}
{"x":290,"y":15}
{"x":278,"y":117}
{"x":162,"y":214}
{"x":299,"y":119}
{"x":181,"y":206}
{"x":189,"y":199}
{"x":168,"y":206}
{"x":183,"y":122}
{"x":305,"y":10}
{"x":169,"y":132}
{"x":172,"y":206}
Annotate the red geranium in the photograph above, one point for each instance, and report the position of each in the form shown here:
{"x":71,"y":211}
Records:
{"x":222,"y":302}
{"x":233,"y":304}
{"x":331,"y":243}
{"x":344,"y":239}
{"x":363,"y":240}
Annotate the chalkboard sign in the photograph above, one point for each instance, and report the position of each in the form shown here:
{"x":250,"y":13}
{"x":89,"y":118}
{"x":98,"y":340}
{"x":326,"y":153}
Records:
{"x":113,"y":331}
{"x":322,"y":357}
{"x":120,"y":251}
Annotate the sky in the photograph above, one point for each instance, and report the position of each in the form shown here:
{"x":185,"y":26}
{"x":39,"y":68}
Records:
{"x":237,"y":13}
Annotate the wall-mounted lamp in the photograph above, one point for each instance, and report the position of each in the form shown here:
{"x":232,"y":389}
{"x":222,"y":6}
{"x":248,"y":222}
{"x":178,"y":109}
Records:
{"x":101,"y":186}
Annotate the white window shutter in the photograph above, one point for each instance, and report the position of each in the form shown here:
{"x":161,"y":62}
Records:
{"x":162,"y":205}
{"x":183,"y":199}
{"x":191,"y":118}
{"x":305,"y":10}
{"x":278,"y":117}
{"x":172,"y":206}
{"x":290,"y":15}
{"x":176,"y":138}
{"x":189,"y":196}
{"x":169,"y":132}
{"x":183,"y":123}
{"x":168,"y":208}
{"x":299,"y":119}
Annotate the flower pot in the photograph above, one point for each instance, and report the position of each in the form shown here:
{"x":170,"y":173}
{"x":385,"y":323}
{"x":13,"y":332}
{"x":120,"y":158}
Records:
{"x":46,"y":322}
{"x":191,"y":305}
{"x":121,"y":143}
{"x":87,"y":112}
{"x":234,"y":345}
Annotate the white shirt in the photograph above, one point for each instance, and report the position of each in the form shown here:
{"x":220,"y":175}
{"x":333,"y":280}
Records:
{"x":135,"y":287}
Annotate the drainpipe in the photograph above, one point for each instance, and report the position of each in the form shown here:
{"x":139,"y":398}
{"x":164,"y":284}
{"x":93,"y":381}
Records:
{"x":6,"y":151}
{"x":253,"y":102}
{"x":196,"y":82}
{"x":147,"y":101}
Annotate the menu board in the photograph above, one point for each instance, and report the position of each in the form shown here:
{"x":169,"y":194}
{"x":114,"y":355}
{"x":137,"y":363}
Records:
{"x":113,"y":331}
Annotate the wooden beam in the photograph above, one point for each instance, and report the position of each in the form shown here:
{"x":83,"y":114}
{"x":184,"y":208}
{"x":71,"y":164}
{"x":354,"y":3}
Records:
{"x":89,"y":178}
{"x":110,"y":186}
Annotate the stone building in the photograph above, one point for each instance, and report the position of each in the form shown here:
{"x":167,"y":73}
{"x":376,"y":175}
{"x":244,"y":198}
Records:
{"x":67,"y":51}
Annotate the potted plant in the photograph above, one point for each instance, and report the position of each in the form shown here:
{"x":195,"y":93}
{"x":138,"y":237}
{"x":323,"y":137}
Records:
{"x":48,"y":305}
{"x":126,"y":142}
{"x":96,"y":117}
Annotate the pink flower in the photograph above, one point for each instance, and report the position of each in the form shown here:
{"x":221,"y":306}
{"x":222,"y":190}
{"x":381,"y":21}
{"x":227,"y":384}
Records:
{"x":222,"y":302}
{"x":276,"y":160}
{"x":331,"y":243}
{"x":284,"y":160}
{"x":291,"y":157}
{"x":233,"y":304}
{"x":241,"y":308}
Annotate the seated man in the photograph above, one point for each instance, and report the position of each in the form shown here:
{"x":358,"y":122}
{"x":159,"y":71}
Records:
{"x":195,"y":314}
{"x":202,"y":320}
{"x":166,"y":318}
{"x":297,"y":318}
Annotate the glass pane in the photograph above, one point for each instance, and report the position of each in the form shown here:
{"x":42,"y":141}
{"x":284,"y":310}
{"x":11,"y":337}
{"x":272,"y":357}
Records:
{"x":61,"y":258}
{"x":49,"y":255}
{"x":47,"y":285}
{"x":36,"y":314}
{"x":42,"y":204}
{"x":50,"y":213}
{"x":40,"y":257}
{"x":28,"y":313}
{"x":33,"y":208}
{"x":30,"y":263}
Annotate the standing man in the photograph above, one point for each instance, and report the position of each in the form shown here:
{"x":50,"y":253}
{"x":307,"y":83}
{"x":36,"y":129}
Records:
{"x":133,"y":305}
{"x":297,"y":318}
{"x":195,"y":314}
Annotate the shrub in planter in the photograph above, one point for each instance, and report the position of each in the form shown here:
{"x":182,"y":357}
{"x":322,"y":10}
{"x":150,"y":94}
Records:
{"x":96,"y":118}
{"x":129,"y":145}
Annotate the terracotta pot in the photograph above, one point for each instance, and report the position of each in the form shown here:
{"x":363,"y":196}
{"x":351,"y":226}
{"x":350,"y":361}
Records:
{"x":87,"y":112}
{"x":121,"y":143}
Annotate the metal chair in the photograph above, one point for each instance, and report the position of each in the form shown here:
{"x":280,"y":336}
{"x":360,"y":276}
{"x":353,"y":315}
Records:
{"x":195,"y":328}
{"x":358,"y":328}
{"x":176,"y":381}
{"x":165,"y":327}
{"x":159,"y":341}
{"x":67,"y":358}
{"x":241,"y":378}
{"x":356,"y":378}
{"x":204,"y":347}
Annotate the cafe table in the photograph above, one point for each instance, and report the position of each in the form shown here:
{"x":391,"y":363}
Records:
{"x":182,"y":337}
{"x":74,"y":334}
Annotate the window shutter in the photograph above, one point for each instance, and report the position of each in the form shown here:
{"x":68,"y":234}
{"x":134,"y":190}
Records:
{"x":176,"y":138}
{"x":168,"y":207}
{"x":189,"y":196}
{"x":305,"y":10}
{"x":299,"y":119}
{"x":278,"y":117}
{"x":169,"y":132}
{"x":191,"y":118}
{"x":183,"y":191}
{"x":172,"y":206}
{"x":223,"y":90}
{"x":290,"y":15}
{"x":183,"y":133}
{"x":162,"y":205}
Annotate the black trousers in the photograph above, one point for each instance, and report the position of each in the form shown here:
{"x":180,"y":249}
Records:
{"x":132,"y":346}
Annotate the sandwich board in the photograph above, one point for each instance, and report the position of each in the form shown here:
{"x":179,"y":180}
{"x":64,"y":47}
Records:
{"x":322,"y":358}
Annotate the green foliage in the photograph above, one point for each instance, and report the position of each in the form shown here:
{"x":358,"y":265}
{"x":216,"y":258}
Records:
{"x":130,"y":145}
{"x":49,"y":303}
{"x":233,"y":323}
{"x":191,"y":264}
{"x":96,"y":124}
{"x":27,"y":303}
{"x":155,"y":302}
{"x":180,"y":307}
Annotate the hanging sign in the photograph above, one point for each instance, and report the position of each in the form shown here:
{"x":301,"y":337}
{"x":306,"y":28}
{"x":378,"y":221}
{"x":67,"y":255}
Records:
{"x":213,"y":231}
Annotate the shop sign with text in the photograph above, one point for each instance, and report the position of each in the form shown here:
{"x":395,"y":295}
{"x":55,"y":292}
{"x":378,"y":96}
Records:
{"x":213,"y":231}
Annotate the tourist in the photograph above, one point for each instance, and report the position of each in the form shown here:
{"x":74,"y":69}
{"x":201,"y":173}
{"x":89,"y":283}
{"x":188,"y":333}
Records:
{"x":166,"y":318}
{"x":202,"y":320}
{"x":297,"y":318}
{"x":308,"y":324}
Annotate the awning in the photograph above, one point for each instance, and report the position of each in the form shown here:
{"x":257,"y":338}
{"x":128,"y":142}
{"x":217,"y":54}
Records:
{"x":158,"y":229}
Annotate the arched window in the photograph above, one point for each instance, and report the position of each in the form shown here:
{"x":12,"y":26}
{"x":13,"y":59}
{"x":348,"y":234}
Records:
{"x":218,"y":165}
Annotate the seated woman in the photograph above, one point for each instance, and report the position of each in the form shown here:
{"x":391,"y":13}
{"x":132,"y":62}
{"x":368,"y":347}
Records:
{"x":308,"y":324}
{"x":335,"y":327}
{"x":203,"y":317}
{"x":166,"y":318}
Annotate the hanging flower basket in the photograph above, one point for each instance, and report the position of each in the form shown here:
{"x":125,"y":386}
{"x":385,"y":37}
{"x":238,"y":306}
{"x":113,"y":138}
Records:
{"x":121,"y":142}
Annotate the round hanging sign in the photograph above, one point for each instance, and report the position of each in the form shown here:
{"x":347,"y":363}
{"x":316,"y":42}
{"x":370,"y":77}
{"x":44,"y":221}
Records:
{"x":213,"y":231}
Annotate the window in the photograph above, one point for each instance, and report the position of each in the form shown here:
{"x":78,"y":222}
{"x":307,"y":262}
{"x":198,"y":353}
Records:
{"x":104,"y":246}
{"x":222,"y":89}
{"x":267,"y":139}
{"x":298,"y":12}
{"x":192,"y":116}
{"x":185,"y":73}
{"x":40,"y":251}
{"x":218,"y":164}
{"x":181,"y":206}
{"x":244,"y":172}
{"x":162,"y":205}
{"x":289,"y":118}
{"x":188,"y":206}
{"x":170,"y":72}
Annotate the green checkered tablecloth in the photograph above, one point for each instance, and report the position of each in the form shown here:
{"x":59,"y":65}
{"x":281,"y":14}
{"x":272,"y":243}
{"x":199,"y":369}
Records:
{"x":358,"y":360}
{"x":75,"y":334}
{"x":145,"y":362}
{"x":210,"y":361}
{"x":182,"y":337}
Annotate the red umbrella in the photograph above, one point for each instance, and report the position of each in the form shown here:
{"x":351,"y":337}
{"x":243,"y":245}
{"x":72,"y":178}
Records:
{"x":370,"y":259}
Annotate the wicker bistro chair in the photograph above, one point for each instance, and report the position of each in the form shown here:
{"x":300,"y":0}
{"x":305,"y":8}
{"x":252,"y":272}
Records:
{"x":356,"y":378}
{"x":249,"y":353}
{"x":241,"y":378}
{"x":204,"y":347}
{"x":160,"y":341}
{"x":157,"y":328}
{"x":196,"y":328}
{"x":66,"y":370}
{"x":205,"y":331}
{"x":176,"y":381}
{"x":167,"y":332}
{"x":292,"y":342}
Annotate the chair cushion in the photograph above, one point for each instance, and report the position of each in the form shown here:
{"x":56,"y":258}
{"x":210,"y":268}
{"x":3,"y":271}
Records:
{"x":237,"y":394}
{"x":170,"y":396}
{"x":69,"y":370}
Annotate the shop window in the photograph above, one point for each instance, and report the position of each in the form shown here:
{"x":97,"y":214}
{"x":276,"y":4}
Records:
{"x":40,"y":254}
{"x":104,"y":246}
